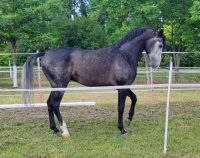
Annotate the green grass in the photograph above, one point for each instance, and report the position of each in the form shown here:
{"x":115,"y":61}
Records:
{"x":25,"y":132}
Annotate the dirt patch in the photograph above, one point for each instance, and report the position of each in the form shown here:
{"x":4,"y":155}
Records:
{"x":85,"y":113}
{"x":77,"y":113}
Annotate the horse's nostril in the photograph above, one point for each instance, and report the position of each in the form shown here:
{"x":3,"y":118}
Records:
{"x":160,"y":46}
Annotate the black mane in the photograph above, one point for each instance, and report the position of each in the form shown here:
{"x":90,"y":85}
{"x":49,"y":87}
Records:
{"x":135,"y":33}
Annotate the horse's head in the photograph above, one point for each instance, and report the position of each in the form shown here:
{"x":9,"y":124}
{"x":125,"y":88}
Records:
{"x":154,"y":47}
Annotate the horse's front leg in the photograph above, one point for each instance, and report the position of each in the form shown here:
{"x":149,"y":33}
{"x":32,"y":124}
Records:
{"x":121,"y":103}
{"x":133,"y":98}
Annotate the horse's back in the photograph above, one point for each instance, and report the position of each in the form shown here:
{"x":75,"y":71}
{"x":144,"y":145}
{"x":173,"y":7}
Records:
{"x":88,"y":67}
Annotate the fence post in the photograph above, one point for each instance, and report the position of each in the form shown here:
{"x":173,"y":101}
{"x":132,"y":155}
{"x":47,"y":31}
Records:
{"x":151,"y":83}
{"x":151,"y":75}
{"x":15,"y":85}
{"x":39,"y":80}
{"x":167,"y":107}
{"x":147,"y":68}
{"x":72,"y":17}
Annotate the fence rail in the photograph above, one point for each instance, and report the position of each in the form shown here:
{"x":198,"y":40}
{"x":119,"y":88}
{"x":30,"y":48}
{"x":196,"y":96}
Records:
{"x":10,"y":75}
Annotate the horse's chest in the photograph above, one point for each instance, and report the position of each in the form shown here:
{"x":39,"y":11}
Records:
{"x":124,"y":74}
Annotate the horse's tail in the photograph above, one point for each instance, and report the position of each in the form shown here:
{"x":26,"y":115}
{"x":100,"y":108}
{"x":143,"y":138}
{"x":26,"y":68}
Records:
{"x":28,"y":77}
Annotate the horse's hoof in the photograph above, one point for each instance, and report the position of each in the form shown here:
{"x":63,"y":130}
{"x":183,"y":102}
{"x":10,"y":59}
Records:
{"x":124,"y":133}
{"x":57,"y":133}
{"x":65,"y":135}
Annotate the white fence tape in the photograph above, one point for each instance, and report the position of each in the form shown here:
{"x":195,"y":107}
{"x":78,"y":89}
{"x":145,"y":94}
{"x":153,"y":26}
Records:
{"x":104,"y":88}
{"x":11,"y":106}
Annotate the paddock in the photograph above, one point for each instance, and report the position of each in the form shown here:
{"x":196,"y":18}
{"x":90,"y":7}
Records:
{"x":24,"y":131}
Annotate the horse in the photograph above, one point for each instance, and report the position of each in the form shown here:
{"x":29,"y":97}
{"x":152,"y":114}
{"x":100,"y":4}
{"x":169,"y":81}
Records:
{"x":113,"y":65}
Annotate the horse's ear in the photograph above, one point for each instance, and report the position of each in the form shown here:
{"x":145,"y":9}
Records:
{"x":160,"y":33}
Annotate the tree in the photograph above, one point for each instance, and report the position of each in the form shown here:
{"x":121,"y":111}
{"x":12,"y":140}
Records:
{"x":193,"y":26}
{"x":26,"y":26}
{"x":82,"y":32}
{"x":22,"y":22}
{"x":176,"y":18}
{"x":25,"y":23}
{"x":120,"y":16}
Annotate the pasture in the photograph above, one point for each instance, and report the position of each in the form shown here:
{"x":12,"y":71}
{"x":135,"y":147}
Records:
{"x":76,"y":31}
{"x":24,"y":132}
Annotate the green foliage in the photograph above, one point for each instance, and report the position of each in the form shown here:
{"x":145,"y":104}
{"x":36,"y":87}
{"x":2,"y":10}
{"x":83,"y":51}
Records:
{"x":121,"y":16}
{"x":193,"y":25}
{"x":190,"y":60}
{"x":4,"y":60}
{"x":82,"y":32}
{"x":33,"y":25}
{"x":26,"y":22}
{"x":175,"y":15}
{"x":195,"y":11}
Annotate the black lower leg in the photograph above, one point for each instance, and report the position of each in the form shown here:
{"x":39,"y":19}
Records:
{"x":120,"y":124}
{"x":121,"y":104}
{"x":51,"y":115}
{"x":56,"y":106}
{"x":58,"y":115}
{"x":52,"y":121}
{"x":133,"y":102}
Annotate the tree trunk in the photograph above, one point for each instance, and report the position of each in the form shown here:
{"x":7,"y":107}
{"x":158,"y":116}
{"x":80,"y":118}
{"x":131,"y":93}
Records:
{"x":14,"y":49}
{"x":176,"y":64}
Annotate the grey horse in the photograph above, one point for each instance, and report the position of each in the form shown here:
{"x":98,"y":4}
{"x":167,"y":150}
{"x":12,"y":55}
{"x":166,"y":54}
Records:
{"x":110,"y":66}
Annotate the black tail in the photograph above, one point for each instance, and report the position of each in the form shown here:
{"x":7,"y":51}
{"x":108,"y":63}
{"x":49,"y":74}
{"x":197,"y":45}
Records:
{"x":28,"y":77}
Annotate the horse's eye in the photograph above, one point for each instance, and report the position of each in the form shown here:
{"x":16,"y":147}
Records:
{"x":160,"y":46}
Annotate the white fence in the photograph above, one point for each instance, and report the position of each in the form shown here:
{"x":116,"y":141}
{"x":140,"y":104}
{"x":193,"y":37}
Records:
{"x":12,"y":73}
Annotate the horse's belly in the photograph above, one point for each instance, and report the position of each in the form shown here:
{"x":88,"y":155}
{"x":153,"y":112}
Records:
{"x":92,"y":79}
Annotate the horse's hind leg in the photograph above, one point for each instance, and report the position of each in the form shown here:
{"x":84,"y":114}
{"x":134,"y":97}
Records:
{"x":51,"y":114}
{"x":133,"y":98}
{"x":63,"y":126}
{"x":55,"y":100}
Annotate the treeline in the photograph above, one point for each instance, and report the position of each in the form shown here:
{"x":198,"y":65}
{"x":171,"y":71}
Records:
{"x":31,"y":25}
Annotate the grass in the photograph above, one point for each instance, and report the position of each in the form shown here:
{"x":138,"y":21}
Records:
{"x":25,"y":132}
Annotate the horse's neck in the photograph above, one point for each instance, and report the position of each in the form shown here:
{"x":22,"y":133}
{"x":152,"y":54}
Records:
{"x":133,"y":50}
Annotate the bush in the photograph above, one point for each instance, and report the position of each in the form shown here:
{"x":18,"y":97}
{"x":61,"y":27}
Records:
{"x":81,"y":33}
{"x":4,"y":60}
{"x":190,"y":60}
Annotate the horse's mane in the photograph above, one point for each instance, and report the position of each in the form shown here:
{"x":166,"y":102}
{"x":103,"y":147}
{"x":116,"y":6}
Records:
{"x":131,"y":35}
